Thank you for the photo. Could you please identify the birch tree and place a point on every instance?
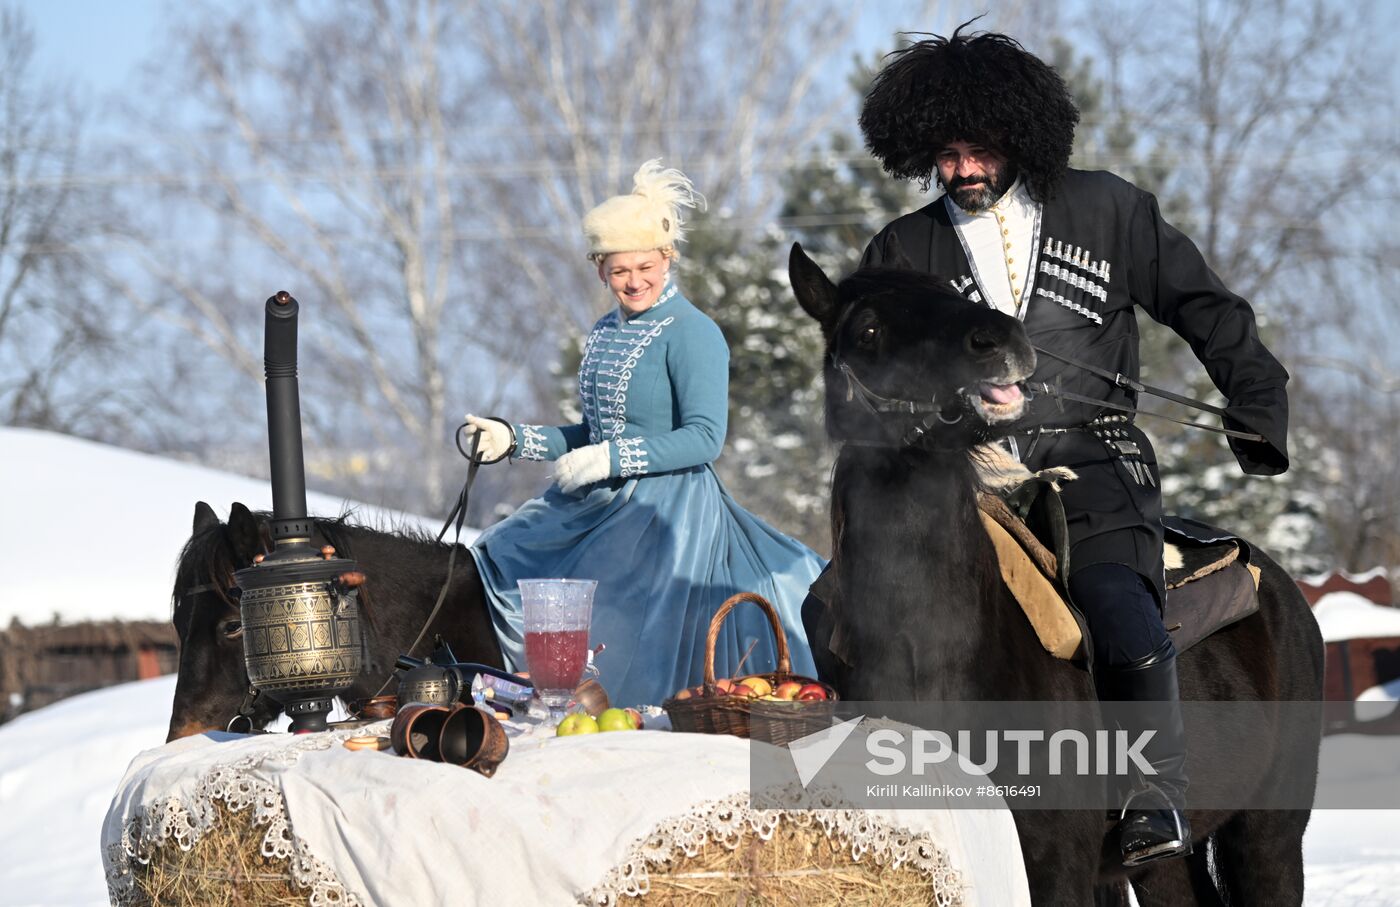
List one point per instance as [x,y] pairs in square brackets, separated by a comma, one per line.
[415,173]
[50,332]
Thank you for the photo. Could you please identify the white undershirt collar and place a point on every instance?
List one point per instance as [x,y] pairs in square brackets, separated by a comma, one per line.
[1000,242]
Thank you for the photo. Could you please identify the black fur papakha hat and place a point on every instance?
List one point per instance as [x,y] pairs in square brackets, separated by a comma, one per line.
[982,88]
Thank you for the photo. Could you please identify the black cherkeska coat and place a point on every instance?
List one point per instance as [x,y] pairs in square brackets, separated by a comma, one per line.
[1102,251]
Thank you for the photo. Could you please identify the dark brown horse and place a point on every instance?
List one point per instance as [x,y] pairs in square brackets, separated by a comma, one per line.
[925,615]
[405,573]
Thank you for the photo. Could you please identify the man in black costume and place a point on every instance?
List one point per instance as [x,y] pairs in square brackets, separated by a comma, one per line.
[1073,254]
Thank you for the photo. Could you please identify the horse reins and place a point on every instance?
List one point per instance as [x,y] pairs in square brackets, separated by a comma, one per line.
[457,516]
[1120,380]
[880,406]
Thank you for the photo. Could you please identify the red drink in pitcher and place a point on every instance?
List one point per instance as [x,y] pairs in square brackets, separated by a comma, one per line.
[556,658]
[556,613]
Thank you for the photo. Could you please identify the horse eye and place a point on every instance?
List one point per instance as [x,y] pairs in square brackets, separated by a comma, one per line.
[232,629]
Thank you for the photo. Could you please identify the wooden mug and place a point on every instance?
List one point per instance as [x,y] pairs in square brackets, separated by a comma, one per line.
[417,730]
[473,739]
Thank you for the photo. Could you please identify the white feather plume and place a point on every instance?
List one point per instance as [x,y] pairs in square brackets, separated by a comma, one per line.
[669,187]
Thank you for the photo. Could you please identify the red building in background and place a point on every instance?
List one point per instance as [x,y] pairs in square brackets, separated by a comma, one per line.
[1363,643]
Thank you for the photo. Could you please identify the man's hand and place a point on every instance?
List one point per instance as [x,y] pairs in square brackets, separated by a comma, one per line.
[583,466]
[497,438]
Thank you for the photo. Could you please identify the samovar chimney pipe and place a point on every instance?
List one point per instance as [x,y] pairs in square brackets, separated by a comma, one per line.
[301,621]
[289,523]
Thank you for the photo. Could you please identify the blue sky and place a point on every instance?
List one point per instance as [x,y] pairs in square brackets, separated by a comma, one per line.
[94,45]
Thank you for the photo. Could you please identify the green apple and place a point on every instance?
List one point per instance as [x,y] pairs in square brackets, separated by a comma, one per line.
[615,720]
[576,723]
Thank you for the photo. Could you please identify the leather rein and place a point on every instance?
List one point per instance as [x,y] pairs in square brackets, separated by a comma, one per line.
[1121,380]
[882,407]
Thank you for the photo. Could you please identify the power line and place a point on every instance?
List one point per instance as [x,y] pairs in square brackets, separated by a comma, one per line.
[546,169]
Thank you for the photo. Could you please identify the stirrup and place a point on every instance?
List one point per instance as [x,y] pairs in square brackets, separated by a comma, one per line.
[1179,845]
[1164,851]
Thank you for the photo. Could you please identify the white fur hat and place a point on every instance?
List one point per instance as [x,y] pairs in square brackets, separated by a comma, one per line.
[649,218]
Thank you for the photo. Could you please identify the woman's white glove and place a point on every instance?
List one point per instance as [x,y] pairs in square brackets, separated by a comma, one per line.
[583,466]
[497,438]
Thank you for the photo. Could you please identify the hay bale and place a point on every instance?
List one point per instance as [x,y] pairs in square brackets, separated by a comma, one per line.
[224,868]
[798,866]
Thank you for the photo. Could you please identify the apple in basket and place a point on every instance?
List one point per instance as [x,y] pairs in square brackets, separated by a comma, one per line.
[724,686]
[811,692]
[787,690]
[759,685]
[744,690]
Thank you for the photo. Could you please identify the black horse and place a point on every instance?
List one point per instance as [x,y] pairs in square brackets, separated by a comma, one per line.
[405,573]
[905,521]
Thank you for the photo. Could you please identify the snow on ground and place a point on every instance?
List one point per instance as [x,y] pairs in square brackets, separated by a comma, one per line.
[1381,692]
[1358,578]
[1346,615]
[58,491]
[60,765]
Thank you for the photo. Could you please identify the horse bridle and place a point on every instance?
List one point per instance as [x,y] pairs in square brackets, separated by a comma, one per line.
[245,710]
[881,407]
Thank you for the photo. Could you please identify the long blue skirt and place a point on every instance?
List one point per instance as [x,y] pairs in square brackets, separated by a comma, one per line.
[666,550]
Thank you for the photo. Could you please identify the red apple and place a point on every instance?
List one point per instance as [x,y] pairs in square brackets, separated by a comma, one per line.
[724,686]
[636,717]
[787,690]
[811,692]
[745,690]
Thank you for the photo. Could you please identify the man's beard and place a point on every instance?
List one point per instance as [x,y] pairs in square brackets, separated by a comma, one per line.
[978,193]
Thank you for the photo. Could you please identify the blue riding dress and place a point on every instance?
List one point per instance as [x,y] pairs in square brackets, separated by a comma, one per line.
[662,536]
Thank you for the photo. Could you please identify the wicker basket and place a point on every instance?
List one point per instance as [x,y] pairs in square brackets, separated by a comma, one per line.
[772,722]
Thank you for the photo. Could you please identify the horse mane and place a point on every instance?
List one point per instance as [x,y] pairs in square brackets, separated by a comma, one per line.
[208,553]
[872,282]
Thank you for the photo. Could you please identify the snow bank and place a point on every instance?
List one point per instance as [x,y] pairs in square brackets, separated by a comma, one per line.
[59,767]
[1346,615]
[59,492]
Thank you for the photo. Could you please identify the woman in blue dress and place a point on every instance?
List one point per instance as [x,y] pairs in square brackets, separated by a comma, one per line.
[636,504]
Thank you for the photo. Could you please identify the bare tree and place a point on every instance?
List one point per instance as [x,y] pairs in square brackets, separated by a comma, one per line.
[49,333]
[416,173]
[1229,103]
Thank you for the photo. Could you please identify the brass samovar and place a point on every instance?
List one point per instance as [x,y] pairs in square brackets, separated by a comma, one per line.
[301,616]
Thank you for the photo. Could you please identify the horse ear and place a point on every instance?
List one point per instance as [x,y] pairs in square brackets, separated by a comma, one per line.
[204,517]
[815,291]
[894,255]
[244,533]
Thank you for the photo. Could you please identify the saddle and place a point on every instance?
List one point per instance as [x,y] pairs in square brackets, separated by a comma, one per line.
[1210,582]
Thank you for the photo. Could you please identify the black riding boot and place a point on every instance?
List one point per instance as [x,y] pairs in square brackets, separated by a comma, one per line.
[1152,824]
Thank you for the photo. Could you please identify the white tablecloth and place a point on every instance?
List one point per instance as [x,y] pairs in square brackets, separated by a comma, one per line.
[564,820]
